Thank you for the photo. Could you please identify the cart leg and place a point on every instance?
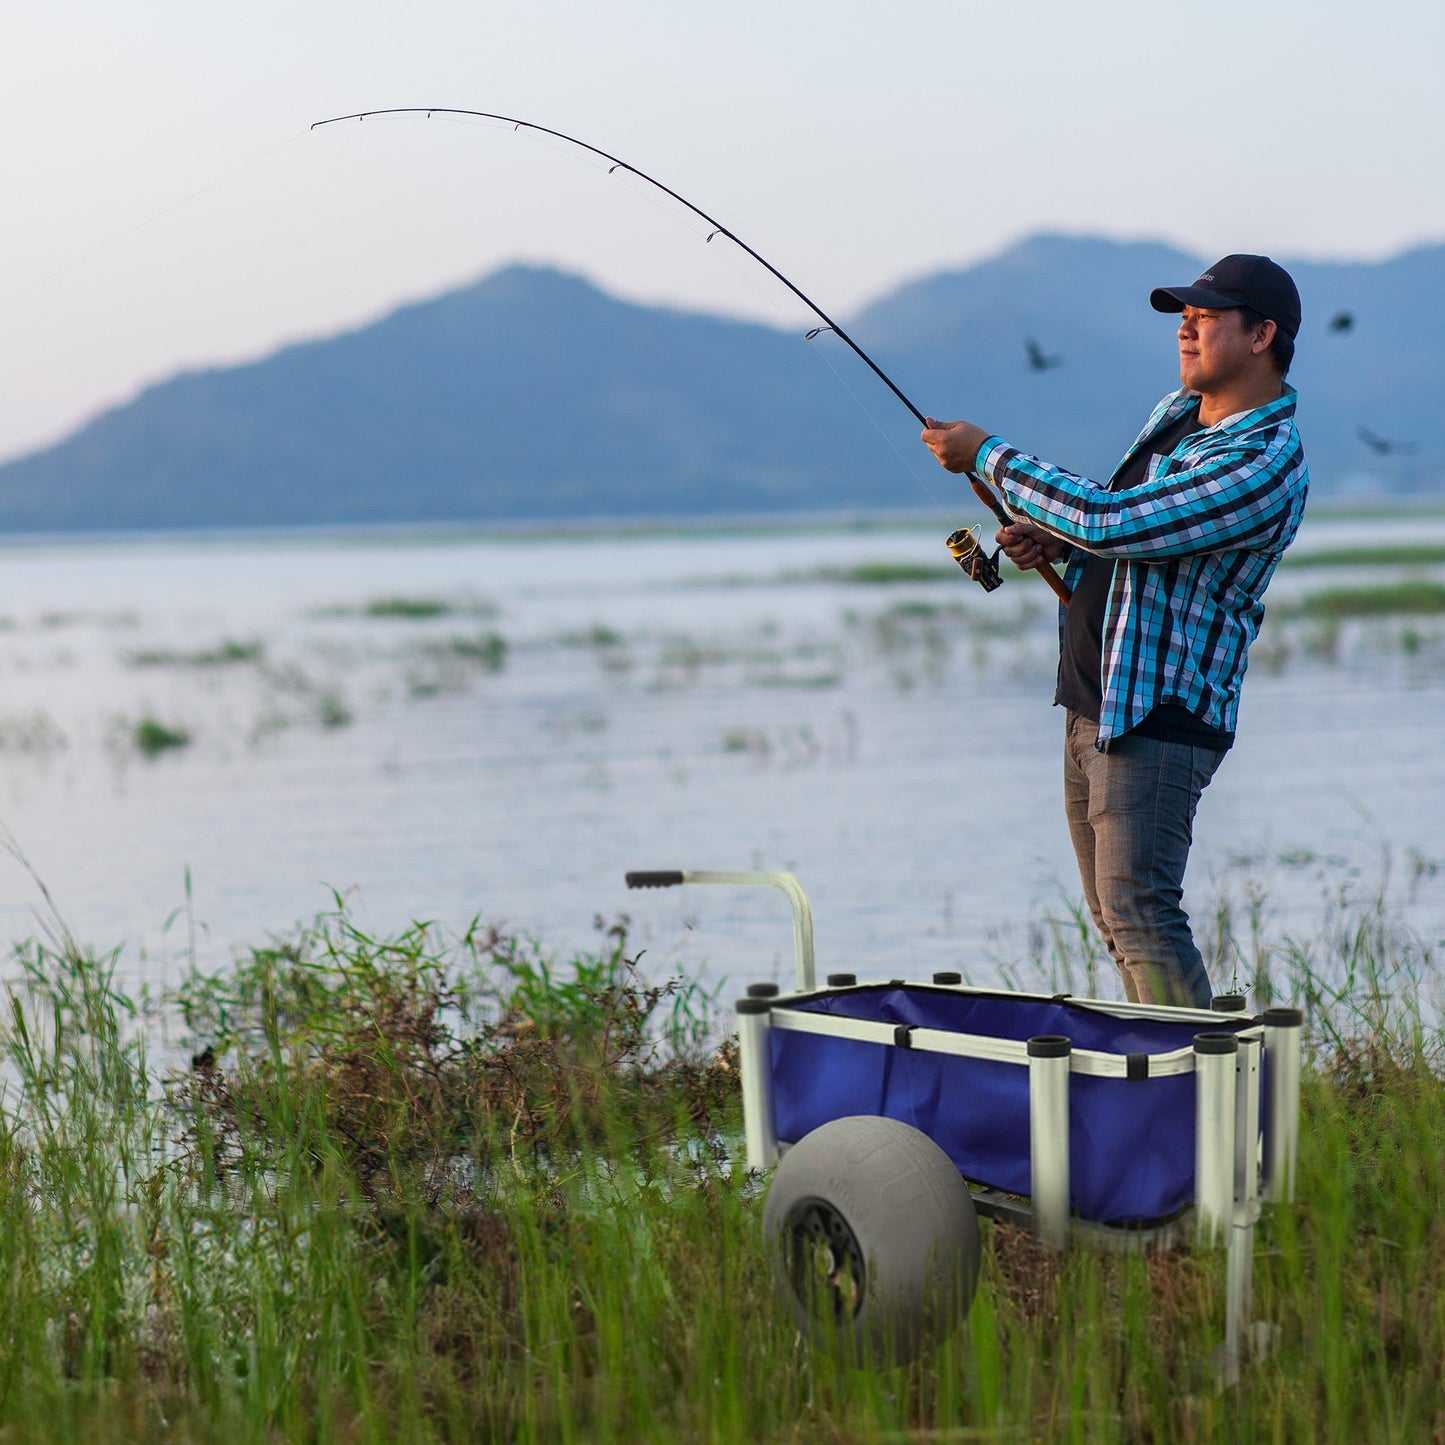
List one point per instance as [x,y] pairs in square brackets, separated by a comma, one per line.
[1238,1297]
[1243,1337]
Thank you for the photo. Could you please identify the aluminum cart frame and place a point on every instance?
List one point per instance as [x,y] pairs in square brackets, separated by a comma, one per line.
[1245,1069]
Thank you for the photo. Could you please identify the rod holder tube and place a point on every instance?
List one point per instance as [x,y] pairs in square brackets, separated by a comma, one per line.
[755,1066]
[1283,1030]
[1215,1055]
[1049,1056]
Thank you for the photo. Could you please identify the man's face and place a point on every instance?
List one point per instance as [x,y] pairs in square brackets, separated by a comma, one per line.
[1216,348]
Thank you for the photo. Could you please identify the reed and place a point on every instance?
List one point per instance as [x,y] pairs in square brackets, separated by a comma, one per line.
[1410,595]
[226,653]
[152,737]
[433,1187]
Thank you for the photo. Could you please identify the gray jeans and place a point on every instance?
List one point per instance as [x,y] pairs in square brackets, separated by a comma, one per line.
[1131,817]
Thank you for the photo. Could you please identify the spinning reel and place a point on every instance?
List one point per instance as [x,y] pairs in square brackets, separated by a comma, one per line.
[969,554]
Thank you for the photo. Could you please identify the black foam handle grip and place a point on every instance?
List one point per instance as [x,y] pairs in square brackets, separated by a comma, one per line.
[657,878]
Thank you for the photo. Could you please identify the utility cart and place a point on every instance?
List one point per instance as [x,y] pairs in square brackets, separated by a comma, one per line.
[897,1112]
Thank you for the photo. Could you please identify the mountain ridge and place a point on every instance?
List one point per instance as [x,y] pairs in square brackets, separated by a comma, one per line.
[531,394]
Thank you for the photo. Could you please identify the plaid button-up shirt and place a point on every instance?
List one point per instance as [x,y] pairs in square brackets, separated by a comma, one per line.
[1195,544]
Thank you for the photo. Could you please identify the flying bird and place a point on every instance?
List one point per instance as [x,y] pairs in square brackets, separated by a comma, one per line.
[1037,360]
[1342,321]
[1382,446]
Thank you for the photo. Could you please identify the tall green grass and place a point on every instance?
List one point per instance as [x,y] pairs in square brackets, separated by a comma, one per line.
[448,1188]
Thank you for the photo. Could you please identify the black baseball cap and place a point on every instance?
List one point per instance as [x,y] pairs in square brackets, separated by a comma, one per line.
[1253,281]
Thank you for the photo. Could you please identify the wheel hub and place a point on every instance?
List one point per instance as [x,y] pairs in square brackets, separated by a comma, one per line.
[825,1260]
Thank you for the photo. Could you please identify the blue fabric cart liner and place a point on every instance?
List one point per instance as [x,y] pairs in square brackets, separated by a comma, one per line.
[1131,1141]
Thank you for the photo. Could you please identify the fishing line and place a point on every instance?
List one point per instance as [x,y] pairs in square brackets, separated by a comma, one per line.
[149,220]
[882,431]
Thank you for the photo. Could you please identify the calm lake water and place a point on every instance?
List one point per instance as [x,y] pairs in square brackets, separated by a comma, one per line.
[448,727]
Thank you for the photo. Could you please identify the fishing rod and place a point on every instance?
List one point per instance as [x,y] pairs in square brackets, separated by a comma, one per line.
[963,544]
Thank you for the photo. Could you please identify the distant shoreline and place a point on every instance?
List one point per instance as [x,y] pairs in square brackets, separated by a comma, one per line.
[600,528]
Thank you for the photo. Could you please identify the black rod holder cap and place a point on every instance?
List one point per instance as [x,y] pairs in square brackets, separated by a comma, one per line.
[1050,1046]
[1284,1018]
[1216,1043]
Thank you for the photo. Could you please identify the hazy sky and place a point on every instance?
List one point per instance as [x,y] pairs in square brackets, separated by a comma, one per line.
[855,145]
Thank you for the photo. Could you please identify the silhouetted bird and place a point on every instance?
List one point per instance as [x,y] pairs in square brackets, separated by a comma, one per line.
[1341,321]
[1382,446]
[1037,360]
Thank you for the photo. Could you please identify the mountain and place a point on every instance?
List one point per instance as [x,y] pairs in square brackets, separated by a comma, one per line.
[529,394]
[1085,300]
[533,395]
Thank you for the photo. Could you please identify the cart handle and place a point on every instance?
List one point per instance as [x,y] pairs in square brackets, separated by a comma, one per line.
[749,878]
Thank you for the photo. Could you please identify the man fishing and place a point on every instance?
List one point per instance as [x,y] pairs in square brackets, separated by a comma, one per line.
[1167,562]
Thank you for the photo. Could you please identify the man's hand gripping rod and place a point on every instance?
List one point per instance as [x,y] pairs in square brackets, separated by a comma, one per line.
[969,554]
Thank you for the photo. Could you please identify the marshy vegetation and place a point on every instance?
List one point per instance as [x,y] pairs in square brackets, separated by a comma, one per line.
[152,737]
[412,608]
[433,1187]
[34,733]
[908,620]
[223,654]
[1408,596]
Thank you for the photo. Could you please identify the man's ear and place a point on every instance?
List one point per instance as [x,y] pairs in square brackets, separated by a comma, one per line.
[1264,335]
